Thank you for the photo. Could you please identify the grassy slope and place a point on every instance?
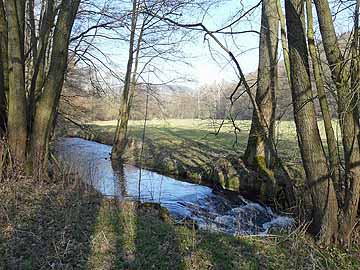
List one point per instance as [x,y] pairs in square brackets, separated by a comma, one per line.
[63,224]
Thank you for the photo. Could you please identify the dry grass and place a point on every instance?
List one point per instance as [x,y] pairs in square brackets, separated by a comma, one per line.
[61,223]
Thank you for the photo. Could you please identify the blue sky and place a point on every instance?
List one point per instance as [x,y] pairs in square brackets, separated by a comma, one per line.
[207,63]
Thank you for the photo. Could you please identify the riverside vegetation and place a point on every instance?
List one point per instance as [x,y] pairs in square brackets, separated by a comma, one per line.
[61,223]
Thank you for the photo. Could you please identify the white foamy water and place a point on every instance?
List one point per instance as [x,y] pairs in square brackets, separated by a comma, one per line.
[184,200]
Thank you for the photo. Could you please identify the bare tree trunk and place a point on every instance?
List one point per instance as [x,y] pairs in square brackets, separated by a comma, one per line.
[4,86]
[47,105]
[348,116]
[330,136]
[284,40]
[38,77]
[17,128]
[355,54]
[318,180]
[257,152]
[120,139]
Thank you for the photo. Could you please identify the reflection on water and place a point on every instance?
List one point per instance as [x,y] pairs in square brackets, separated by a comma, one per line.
[184,200]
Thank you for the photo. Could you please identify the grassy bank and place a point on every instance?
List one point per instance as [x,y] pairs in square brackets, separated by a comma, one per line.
[63,224]
[189,149]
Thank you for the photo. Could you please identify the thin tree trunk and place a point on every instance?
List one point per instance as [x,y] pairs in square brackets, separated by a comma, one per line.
[120,139]
[47,105]
[33,39]
[38,77]
[134,74]
[4,87]
[355,54]
[318,180]
[320,86]
[257,152]
[17,129]
[348,118]
[284,40]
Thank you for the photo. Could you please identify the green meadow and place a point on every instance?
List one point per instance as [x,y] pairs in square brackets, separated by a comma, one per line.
[180,131]
[191,148]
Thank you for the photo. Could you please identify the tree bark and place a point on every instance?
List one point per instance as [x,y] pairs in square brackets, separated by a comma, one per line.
[38,76]
[120,139]
[318,180]
[348,118]
[17,128]
[284,40]
[4,82]
[48,102]
[320,86]
[257,152]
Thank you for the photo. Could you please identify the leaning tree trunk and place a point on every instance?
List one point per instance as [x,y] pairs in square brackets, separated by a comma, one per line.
[120,138]
[320,86]
[3,69]
[318,180]
[257,153]
[17,130]
[349,120]
[48,103]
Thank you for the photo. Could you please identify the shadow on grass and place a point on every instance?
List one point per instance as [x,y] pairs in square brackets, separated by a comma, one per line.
[67,225]
[46,225]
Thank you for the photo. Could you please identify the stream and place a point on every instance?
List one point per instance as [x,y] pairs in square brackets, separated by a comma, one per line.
[211,210]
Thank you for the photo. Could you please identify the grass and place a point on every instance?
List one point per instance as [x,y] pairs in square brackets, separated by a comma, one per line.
[61,223]
[189,149]
[180,131]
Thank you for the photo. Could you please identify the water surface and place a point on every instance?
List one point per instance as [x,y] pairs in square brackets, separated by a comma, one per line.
[184,200]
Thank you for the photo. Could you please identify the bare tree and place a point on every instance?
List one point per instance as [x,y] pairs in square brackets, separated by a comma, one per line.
[31,113]
[146,45]
[348,116]
[257,153]
[314,160]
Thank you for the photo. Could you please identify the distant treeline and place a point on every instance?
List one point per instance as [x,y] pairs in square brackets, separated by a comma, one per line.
[91,101]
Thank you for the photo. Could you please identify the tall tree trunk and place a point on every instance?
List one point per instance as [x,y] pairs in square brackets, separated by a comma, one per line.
[47,105]
[355,54]
[318,180]
[284,40]
[257,152]
[135,75]
[120,139]
[329,131]
[17,131]
[38,76]
[4,87]
[348,118]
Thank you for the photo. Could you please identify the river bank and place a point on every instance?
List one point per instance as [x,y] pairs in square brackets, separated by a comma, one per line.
[187,149]
[61,223]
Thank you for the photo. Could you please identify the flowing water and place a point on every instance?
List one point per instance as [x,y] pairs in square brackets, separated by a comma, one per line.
[184,200]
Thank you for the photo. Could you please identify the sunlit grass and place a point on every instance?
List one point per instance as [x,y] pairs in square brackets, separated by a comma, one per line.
[176,131]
